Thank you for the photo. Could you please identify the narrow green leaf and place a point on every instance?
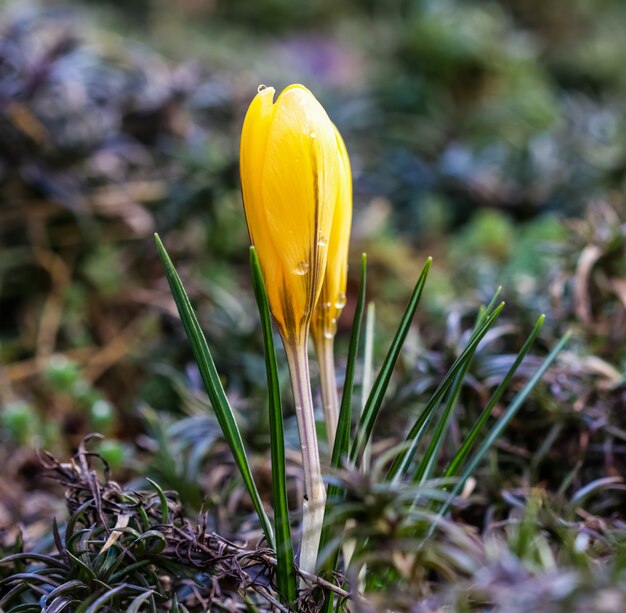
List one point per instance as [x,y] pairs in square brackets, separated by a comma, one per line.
[214,388]
[165,511]
[428,462]
[174,607]
[74,587]
[98,603]
[401,464]
[342,438]
[127,569]
[285,573]
[503,422]
[485,311]
[374,402]
[461,455]
[137,603]
[250,606]
[83,569]
[35,557]
[368,370]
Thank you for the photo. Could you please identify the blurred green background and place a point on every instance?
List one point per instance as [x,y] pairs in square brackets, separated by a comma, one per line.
[490,135]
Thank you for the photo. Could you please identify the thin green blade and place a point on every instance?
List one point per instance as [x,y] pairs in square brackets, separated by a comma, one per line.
[374,402]
[285,574]
[461,455]
[342,438]
[401,464]
[213,386]
[342,441]
[428,462]
[503,422]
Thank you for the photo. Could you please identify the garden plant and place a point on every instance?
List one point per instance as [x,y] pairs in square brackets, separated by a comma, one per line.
[297,196]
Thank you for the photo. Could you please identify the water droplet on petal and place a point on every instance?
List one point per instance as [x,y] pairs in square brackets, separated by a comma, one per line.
[261,87]
[322,242]
[313,134]
[301,269]
[341,301]
[332,330]
[327,305]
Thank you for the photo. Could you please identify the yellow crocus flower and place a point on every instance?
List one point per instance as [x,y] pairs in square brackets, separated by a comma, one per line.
[289,174]
[292,168]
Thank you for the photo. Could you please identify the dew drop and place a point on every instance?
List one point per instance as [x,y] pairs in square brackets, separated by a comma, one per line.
[322,242]
[341,301]
[261,87]
[327,305]
[330,332]
[301,269]
[313,134]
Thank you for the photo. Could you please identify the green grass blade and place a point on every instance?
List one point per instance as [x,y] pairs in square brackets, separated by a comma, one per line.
[503,422]
[165,511]
[485,311]
[401,464]
[214,388]
[368,369]
[342,438]
[374,402]
[461,455]
[137,604]
[428,462]
[285,574]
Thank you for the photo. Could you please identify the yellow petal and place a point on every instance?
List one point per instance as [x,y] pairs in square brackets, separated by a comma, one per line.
[332,298]
[254,135]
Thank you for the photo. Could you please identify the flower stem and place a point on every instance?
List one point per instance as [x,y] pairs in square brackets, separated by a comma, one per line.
[325,350]
[314,491]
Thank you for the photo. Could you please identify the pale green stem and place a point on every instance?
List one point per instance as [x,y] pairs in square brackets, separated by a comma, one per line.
[325,351]
[314,491]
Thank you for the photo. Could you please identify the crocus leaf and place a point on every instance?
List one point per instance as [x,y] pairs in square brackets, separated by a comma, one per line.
[497,429]
[461,455]
[342,439]
[328,560]
[428,461]
[374,402]
[214,388]
[401,464]
[286,577]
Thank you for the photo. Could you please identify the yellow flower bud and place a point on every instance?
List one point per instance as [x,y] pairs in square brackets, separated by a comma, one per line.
[290,175]
[333,295]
